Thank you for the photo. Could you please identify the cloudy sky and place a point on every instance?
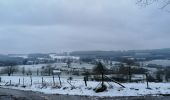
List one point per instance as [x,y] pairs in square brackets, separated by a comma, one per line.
[29,26]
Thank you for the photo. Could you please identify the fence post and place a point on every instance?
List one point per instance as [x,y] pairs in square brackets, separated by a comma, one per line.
[23,81]
[19,81]
[10,82]
[147,81]
[53,81]
[42,81]
[59,80]
[31,80]
[85,81]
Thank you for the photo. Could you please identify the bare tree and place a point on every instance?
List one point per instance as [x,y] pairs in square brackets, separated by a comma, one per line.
[23,71]
[129,63]
[100,69]
[164,3]
[29,72]
[47,70]
[37,71]
[9,70]
[68,63]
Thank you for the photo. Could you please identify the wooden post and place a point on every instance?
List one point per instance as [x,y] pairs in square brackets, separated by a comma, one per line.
[115,82]
[59,80]
[42,81]
[102,80]
[19,81]
[85,81]
[53,81]
[147,81]
[23,81]
[31,80]
[10,82]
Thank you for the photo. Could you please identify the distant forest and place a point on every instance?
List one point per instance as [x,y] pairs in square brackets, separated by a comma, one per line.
[88,56]
[115,55]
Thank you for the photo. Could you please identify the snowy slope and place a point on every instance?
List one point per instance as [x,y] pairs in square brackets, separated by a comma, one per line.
[132,89]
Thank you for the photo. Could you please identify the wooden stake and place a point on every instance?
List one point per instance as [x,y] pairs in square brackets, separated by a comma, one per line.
[59,80]
[19,81]
[53,81]
[10,82]
[42,81]
[31,80]
[147,81]
[23,81]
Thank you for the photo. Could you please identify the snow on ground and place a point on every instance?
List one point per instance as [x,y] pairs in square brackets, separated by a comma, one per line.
[54,56]
[132,89]
[162,62]
[31,67]
[19,55]
[56,65]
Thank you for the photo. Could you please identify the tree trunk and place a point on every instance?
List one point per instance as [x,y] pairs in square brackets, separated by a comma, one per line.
[102,79]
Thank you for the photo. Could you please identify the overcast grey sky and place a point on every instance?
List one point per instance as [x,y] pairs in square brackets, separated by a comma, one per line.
[29,26]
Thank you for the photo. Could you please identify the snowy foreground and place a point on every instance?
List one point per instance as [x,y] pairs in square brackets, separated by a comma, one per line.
[132,89]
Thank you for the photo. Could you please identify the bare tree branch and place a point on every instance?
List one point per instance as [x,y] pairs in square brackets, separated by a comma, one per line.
[164,3]
[167,2]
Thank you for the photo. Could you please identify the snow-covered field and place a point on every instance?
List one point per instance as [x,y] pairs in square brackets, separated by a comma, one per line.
[36,67]
[132,89]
